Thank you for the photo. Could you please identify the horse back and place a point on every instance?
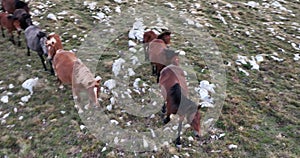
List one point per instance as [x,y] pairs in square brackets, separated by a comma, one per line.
[6,22]
[149,36]
[32,39]
[170,76]
[156,49]
[9,5]
[63,63]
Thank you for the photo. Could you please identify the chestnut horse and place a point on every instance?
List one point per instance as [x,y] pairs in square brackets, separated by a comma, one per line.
[53,44]
[149,36]
[11,23]
[11,5]
[70,70]
[175,91]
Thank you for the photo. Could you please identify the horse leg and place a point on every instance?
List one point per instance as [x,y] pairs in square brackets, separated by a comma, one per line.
[28,51]
[19,40]
[167,119]
[12,38]
[163,109]
[43,61]
[153,69]
[146,52]
[177,142]
[51,68]
[159,67]
[2,30]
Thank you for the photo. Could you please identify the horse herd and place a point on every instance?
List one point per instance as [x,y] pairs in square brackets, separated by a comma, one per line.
[70,70]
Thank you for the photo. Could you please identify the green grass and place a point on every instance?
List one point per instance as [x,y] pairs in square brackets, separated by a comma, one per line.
[260,113]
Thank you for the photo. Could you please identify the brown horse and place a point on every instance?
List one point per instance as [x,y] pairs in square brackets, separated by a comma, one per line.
[150,36]
[161,58]
[175,91]
[53,44]
[11,23]
[70,70]
[10,6]
[147,38]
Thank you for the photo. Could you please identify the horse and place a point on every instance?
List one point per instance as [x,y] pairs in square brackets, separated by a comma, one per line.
[11,23]
[53,44]
[161,58]
[70,70]
[24,17]
[175,91]
[36,41]
[10,6]
[149,36]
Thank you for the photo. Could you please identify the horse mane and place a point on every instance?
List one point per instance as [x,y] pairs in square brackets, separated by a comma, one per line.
[82,75]
[166,33]
[20,4]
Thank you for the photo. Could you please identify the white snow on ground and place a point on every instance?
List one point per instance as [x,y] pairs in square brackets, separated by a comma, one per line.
[117,66]
[137,30]
[30,83]
[110,84]
[204,89]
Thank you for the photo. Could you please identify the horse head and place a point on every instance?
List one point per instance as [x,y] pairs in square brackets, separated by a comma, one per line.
[165,36]
[16,22]
[22,5]
[53,44]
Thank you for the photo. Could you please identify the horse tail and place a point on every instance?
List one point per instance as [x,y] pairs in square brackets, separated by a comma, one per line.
[181,102]
[176,94]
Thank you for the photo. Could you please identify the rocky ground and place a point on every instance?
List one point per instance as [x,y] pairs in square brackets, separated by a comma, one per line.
[248,52]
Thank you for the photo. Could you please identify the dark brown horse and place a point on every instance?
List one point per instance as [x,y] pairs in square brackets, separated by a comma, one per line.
[175,91]
[10,6]
[150,36]
[11,23]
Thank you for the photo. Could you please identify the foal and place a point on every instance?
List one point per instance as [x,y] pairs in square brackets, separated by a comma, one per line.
[174,90]
[11,23]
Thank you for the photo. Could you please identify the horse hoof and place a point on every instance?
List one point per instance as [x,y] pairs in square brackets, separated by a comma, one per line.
[166,120]
[178,143]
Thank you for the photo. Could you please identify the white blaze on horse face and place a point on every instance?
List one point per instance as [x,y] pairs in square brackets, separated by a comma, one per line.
[52,40]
